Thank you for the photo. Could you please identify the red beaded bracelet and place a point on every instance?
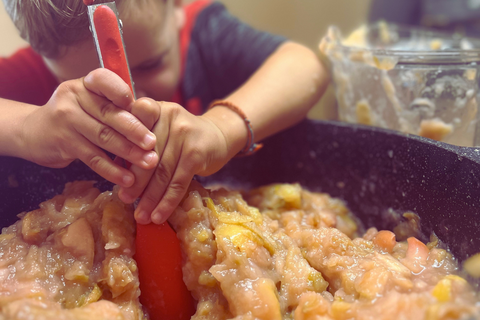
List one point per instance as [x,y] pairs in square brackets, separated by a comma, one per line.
[250,147]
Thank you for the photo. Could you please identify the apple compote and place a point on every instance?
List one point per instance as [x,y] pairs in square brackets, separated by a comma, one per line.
[71,259]
[282,252]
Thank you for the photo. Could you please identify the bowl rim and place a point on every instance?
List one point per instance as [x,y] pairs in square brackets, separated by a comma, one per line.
[411,56]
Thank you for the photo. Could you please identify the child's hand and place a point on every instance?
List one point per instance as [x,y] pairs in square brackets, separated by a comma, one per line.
[84,116]
[186,145]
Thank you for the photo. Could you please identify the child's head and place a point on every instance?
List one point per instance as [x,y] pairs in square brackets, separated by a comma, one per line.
[47,25]
[59,31]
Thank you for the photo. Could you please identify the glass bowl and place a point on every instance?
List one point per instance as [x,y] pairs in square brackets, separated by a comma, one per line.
[411,80]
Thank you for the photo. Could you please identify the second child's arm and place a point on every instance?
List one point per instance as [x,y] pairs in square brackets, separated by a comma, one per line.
[82,117]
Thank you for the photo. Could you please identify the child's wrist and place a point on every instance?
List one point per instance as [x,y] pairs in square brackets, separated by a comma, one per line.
[232,127]
[249,147]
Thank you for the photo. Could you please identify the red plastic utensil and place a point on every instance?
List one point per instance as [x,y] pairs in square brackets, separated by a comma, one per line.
[106,30]
[159,260]
[158,254]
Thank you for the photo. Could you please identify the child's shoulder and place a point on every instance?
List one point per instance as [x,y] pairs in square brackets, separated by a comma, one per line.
[202,7]
[24,77]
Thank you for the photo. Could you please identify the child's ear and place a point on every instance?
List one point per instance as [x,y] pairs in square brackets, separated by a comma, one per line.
[179,13]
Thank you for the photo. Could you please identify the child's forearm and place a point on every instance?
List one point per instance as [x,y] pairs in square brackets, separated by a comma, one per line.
[12,118]
[277,96]
[83,118]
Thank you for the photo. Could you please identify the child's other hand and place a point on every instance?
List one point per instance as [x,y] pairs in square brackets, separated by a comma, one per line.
[186,145]
[85,115]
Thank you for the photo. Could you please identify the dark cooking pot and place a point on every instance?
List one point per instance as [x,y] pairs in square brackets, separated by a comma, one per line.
[374,171]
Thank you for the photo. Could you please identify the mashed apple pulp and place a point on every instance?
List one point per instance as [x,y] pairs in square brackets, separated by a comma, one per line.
[282,253]
[71,259]
[294,254]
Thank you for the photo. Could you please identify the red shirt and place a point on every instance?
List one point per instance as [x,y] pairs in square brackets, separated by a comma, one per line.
[26,78]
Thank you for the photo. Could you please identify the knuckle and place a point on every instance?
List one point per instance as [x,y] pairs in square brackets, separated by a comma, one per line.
[129,151]
[106,109]
[196,156]
[171,108]
[132,124]
[175,107]
[151,198]
[182,128]
[147,111]
[196,153]
[146,104]
[66,154]
[66,91]
[66,98]
[62,88]
[67,87]
[95,161]
[162,174]
[63,112]
[176,190]
[105,135]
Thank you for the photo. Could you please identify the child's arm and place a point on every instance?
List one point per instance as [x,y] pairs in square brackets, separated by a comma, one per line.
[81,117]
[277,96]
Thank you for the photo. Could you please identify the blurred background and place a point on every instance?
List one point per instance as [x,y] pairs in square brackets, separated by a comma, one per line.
[304,21]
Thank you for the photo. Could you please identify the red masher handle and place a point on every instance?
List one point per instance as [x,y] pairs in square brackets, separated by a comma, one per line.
[110,42]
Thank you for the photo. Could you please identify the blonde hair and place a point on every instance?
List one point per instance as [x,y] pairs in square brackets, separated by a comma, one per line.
[47,25]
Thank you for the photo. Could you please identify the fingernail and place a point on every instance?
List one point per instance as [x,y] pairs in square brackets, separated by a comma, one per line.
[142,217]
[149,140]
[149,158]
[127,180]
[157,218]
